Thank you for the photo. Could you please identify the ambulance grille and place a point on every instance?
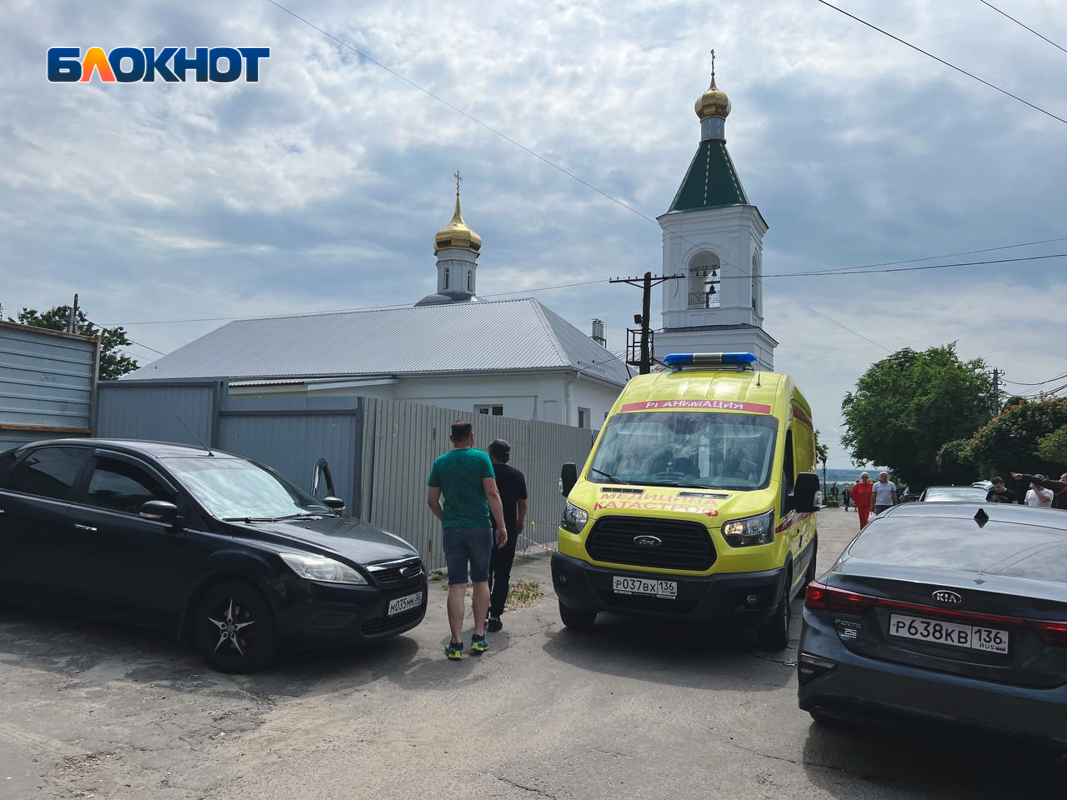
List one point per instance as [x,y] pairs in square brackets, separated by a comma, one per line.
[682,545]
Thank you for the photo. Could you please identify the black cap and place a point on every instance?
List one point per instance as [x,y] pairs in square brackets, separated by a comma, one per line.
[500,450]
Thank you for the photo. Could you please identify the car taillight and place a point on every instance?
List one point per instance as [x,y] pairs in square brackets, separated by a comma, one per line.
[820,597]
[1052,633]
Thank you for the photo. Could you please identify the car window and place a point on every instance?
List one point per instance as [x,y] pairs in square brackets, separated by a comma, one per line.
[120,486]
[49,472]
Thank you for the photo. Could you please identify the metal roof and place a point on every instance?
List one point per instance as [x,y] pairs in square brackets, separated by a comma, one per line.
[500,336]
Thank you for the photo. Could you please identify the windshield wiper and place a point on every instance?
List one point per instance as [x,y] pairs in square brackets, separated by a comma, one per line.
[301,516]
[609,476]
[248,520]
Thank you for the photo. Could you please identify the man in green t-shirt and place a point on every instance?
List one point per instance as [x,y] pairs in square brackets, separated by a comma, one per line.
[465,477]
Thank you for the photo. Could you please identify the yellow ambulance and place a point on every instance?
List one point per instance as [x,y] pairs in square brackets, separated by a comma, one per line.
[696,502]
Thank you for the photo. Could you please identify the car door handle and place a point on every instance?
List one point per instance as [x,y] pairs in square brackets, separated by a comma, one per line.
[81,527]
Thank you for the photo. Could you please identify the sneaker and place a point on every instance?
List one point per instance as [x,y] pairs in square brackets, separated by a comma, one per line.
[479,644]
[494,624]
[454,650]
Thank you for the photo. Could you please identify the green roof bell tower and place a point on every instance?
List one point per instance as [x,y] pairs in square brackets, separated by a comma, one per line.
[713,236]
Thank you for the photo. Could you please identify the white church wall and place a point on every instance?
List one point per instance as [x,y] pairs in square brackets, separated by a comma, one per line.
[595,396]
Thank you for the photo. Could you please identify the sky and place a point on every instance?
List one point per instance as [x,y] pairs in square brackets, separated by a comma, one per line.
[320,187]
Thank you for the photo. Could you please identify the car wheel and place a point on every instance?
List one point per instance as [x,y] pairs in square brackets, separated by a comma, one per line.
[812,571]
[576,619]
[774,635]
[233,628]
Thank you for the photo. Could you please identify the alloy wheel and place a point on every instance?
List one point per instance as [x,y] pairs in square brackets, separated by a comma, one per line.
[235,628]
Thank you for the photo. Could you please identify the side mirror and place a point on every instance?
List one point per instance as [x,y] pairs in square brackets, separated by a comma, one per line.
[804,491]
[159,511]
[334,503]
[568,476]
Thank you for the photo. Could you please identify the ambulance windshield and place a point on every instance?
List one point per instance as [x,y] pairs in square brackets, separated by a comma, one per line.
[697,449]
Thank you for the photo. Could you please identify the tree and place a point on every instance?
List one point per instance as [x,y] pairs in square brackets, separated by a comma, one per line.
[909,404]
[822,452]
[1011,441]
[953,464]
[1053,447]
[113,363]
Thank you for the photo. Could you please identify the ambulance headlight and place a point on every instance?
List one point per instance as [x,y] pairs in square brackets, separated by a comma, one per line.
[574,518]
[749,531]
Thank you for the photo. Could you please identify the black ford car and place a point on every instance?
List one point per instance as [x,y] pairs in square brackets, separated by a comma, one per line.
[223,551]
[947,618]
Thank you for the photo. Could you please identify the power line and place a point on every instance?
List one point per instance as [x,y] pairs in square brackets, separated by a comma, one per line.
[835,273]
[949,255]
[1022,25]
[530,151]
[1038,383]
[938,59]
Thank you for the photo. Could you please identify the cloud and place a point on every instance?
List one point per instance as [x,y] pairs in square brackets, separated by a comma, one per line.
[321,186]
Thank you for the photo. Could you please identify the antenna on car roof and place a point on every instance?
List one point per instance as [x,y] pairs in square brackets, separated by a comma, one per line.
[194,436]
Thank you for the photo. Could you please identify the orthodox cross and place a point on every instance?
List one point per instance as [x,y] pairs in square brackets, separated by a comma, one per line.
[713,65]
[458,178]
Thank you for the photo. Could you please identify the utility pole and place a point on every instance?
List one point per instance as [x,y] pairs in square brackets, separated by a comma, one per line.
[997,375]
[643,361]
[72,323]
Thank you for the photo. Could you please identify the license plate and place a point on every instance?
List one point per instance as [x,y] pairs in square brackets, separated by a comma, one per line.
[404,603]
[652,588]
[953,634]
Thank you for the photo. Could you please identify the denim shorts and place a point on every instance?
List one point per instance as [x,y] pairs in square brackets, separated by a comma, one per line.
[468,544]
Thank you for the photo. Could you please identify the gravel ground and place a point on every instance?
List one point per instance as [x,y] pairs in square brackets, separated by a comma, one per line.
[632,710]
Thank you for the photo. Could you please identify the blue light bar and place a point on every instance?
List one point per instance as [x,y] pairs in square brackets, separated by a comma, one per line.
[708,359]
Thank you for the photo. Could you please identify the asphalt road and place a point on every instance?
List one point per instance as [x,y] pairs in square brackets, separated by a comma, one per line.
[631,710]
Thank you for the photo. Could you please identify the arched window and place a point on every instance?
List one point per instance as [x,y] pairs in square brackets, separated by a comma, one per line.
[703,281]
[446,277]
[470,280]
[757,286]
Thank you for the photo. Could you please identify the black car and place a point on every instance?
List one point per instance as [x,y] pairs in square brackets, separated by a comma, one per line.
[223,551]
[947,618]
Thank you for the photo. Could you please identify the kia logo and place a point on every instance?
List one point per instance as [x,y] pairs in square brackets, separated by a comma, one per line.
[947,597]
[648,541]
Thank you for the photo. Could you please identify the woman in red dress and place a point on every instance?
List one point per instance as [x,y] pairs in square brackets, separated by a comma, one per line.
[861,496]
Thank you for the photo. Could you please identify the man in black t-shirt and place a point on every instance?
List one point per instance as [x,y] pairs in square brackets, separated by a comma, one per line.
[511,484]
[999,494]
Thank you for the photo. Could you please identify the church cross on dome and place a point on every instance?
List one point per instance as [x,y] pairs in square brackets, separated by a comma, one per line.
[458,178]
[713,66]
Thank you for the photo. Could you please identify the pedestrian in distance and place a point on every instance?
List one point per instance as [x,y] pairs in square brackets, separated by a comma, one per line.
[465,476]
[885,494]
[1059,488]
[834,492]
[1037,496]
[511,484]
[861,496]
[846,495]
[999,493]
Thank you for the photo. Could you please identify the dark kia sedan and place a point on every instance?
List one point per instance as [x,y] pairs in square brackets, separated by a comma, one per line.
[223,551]
[948,618]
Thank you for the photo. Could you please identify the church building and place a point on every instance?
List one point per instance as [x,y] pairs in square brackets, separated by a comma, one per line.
[713,237]
[514,358]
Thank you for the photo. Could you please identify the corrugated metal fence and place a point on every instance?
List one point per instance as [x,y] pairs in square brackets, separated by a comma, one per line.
[47,383]
[401,440]
[379,451]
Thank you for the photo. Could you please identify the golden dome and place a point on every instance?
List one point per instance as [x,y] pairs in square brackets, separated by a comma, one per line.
[713,103]
[457,233]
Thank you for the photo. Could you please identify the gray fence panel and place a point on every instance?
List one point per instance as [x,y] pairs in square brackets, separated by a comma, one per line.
[151,409]
[292,444]
[46,382]
[401,440]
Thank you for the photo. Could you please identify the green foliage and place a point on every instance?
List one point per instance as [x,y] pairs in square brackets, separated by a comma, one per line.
[822,451]
[954,466]
[1010,442]
[909,404]
[113,364]
[1053,447]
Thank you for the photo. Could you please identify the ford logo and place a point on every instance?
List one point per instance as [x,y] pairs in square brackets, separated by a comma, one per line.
[648,541]
[947,597]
